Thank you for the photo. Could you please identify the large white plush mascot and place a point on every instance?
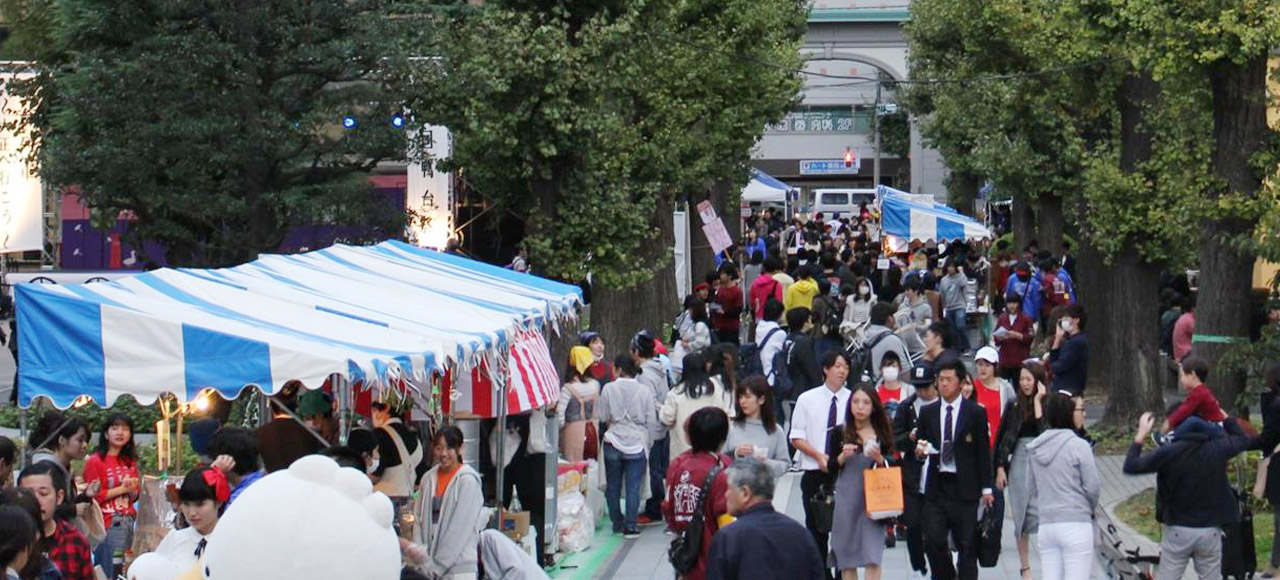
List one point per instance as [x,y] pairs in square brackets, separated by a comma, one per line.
[313,521]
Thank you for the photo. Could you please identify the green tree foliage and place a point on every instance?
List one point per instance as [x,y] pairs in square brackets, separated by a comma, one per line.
[216,123]
[590,119]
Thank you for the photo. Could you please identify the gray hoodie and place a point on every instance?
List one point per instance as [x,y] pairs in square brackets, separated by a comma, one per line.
[451,542]
[1064,477]
[654,376]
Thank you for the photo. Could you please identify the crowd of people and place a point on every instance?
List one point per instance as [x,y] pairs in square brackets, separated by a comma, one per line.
[811,348]
[57,524]
[963,364]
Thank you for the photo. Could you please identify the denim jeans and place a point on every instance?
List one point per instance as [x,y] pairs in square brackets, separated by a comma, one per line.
[959,322]
[119,538]
[618,465]
[659,458]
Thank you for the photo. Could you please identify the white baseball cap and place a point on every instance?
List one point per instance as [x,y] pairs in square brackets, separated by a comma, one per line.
[988,354]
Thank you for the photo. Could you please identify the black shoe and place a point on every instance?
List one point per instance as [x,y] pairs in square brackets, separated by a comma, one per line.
[631,534]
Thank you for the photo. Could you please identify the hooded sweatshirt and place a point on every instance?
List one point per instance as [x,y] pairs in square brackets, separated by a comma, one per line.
[450,543]
[1064,477]
[801,294]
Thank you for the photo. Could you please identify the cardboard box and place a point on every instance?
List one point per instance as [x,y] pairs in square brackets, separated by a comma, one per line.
[515,524]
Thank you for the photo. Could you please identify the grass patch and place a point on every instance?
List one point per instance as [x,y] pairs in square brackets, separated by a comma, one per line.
[1139,512]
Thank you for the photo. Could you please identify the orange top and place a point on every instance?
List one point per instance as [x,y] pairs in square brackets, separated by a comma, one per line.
[443,478]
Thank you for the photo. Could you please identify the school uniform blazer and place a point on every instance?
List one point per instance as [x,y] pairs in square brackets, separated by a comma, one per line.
[972,449]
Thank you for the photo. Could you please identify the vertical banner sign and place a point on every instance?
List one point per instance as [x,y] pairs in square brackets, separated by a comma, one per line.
[429,195]
[21,202]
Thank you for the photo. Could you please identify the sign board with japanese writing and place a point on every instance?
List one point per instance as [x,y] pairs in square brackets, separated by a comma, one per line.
[717,236]
[706,211]
[829,167]
[21,199]
[841,120]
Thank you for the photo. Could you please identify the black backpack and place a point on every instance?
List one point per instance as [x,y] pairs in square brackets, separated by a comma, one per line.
[749,361]
[782,384]
[687,546]
[861,360]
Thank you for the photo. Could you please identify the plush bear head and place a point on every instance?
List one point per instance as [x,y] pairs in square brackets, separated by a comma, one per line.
[313,521]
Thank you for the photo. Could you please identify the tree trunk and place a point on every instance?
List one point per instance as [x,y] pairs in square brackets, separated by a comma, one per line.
[1051,222]
[1131,328]
[1239,124]
[1093,292]
[1024,223]
[618,313]
[963,187]
[703,260]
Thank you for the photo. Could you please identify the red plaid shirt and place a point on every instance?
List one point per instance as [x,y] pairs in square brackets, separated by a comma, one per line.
[71,554]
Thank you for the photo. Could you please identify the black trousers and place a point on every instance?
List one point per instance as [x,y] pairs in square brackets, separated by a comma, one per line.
[945,516]
[527,475]
[810,483]
[912,514]
[730,336]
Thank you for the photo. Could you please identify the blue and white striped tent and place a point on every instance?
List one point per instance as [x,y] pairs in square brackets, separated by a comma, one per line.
[913,221]
[373,314]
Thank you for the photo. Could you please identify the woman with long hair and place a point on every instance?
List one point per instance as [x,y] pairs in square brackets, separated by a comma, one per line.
[18,537]
[114,466]
[1065,483]
[698,388]
[61,439]
[576,408]
[865,440]
[1021,424]
[754,431]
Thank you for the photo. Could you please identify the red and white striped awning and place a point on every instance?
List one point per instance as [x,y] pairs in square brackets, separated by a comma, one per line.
[533,382]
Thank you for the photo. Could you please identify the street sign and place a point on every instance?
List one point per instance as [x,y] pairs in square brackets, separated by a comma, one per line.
[829,167]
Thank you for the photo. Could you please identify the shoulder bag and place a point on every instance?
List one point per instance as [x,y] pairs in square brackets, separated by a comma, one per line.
[687,546]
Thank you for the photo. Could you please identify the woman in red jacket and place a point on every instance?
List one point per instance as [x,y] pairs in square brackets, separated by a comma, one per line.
[708,428]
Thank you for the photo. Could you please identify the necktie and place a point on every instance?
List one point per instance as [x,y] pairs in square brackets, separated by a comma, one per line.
[948,449]
[200,547]
[831,413]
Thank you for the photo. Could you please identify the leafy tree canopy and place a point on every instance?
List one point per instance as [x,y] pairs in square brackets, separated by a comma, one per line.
[587,117]
[217,124]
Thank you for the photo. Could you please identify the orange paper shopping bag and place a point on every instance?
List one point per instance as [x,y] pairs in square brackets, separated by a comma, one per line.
[882,487]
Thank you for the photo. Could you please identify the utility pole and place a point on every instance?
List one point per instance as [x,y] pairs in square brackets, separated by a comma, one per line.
[875,124]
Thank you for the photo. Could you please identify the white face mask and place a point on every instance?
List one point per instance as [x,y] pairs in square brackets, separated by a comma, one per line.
[373,466]
[1065,324]
[889,373]
[863,290]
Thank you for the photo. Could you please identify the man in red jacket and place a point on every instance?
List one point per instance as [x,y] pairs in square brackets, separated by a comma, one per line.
[726,307]
[708,428]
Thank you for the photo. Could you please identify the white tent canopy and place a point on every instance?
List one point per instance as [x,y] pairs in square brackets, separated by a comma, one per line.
[375,314]
[764,188]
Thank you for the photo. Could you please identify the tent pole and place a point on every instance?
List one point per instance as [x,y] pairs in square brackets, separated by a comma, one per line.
[500,379]
[22,428]
[340,389]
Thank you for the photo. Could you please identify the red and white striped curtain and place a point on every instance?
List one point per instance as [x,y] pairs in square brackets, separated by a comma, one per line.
[533,382]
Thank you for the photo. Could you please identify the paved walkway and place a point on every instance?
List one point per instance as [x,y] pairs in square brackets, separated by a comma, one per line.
[646,558]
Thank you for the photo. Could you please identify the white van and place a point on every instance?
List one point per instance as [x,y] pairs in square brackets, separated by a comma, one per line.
[838,203]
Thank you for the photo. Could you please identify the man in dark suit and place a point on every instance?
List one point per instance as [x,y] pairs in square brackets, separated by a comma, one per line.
[952,433]
[1067,261]
[905,422]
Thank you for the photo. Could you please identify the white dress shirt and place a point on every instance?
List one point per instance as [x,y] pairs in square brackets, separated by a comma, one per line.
[942,426]
[179,546]
[809,419]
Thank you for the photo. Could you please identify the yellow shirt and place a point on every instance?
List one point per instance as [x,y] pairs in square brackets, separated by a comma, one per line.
[800,294]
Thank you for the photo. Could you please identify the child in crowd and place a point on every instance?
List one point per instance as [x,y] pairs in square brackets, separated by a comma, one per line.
[1200,402]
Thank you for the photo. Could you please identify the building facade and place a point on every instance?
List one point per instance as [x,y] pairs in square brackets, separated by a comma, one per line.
[855,49]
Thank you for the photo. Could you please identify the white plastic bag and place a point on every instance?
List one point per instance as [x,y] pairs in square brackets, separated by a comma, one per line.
[575,522]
